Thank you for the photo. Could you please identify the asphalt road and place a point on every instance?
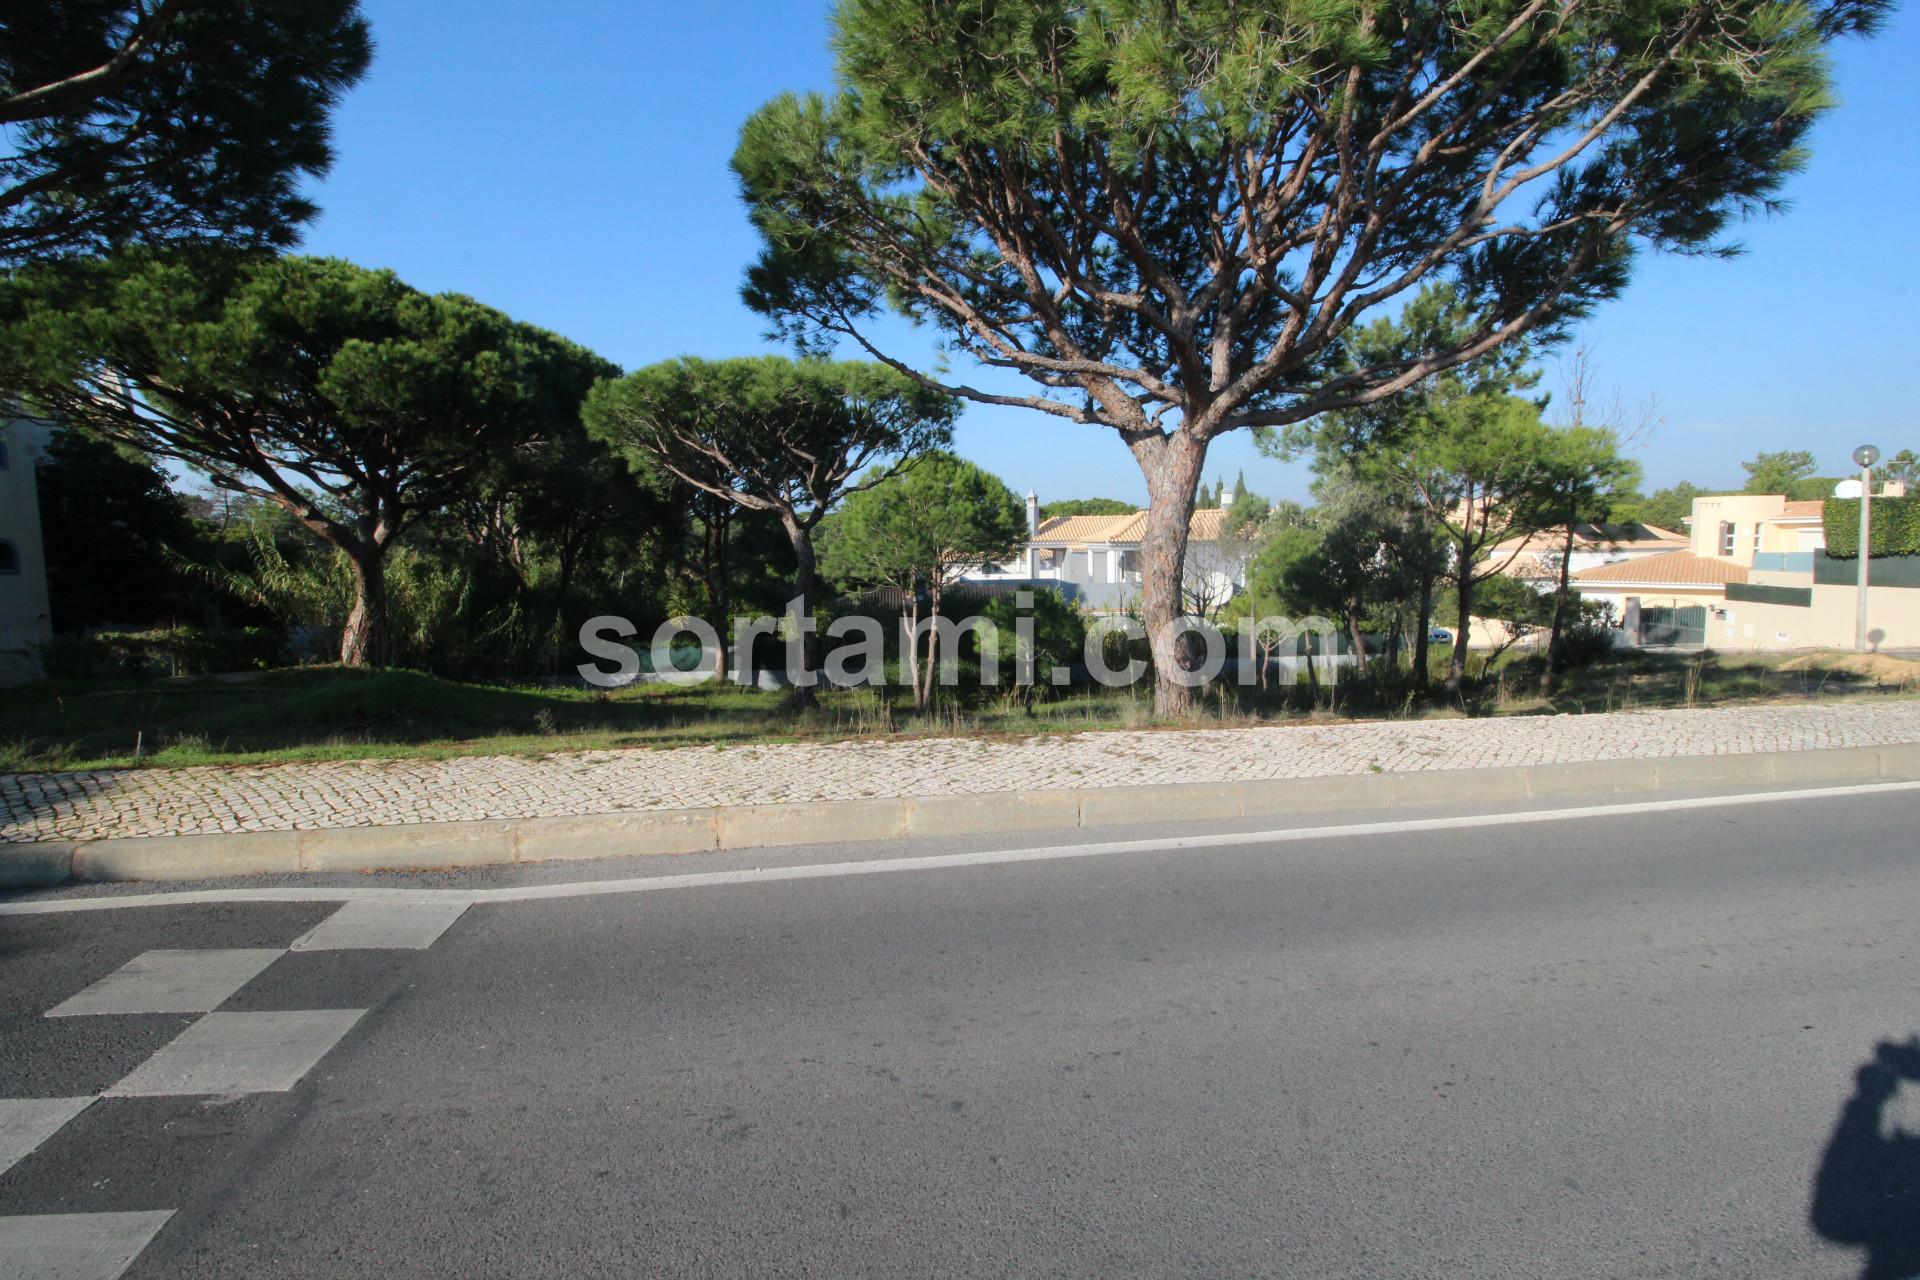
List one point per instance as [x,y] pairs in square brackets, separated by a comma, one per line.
[1658,1044]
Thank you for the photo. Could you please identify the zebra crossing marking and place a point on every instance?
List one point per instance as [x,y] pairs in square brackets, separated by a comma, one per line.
[170,982]
[25,1123]
[229,1053]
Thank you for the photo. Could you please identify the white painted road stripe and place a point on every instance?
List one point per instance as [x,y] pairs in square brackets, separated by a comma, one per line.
[376,926]
[75,1246]
[226,1053]
[940,862]
[25,1123]
[170,982]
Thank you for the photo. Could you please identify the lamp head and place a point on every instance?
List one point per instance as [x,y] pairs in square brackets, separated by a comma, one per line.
[1866,455]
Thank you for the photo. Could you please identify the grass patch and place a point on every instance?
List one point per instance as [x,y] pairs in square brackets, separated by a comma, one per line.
[332,713]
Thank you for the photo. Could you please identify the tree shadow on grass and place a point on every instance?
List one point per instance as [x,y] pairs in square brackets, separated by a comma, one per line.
[1867,1192]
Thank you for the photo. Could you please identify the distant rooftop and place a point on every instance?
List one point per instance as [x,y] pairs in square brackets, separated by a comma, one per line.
[1206,526]
[1673,569]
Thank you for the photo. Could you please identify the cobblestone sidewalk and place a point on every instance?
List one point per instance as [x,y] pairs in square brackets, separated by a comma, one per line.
[206,801]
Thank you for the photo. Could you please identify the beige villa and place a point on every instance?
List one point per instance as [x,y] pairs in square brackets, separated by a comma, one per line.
[1753,575]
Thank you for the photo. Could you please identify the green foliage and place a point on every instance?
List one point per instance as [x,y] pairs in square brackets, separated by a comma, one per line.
[1248,512]
[779,437]
[1272,577]
[1589,637]
[107,520]
[1119,113]
[446,614]
[1059,636]
[1086,507]
[1903,467]
[1778,472]
[168,651]
[1667,508]
[210,119]
[358,404]
[925,526]
[1509,600]
[1896,527]
[767,433]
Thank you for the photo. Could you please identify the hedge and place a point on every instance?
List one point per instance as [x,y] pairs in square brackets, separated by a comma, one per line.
[167,651]
[1896,527]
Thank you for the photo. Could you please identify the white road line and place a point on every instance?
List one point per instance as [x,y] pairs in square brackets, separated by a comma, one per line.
[941,862]
[227,1053]
[170,982]
[376,926]
[25,1123]
[75,1246]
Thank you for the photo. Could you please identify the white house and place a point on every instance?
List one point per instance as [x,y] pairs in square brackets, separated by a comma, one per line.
[1095,560]
[25,618]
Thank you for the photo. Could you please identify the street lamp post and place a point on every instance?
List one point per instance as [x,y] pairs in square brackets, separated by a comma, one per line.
[1865,456]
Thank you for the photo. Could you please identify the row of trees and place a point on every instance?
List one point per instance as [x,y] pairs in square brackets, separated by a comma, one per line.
[1173,221]
[361,408]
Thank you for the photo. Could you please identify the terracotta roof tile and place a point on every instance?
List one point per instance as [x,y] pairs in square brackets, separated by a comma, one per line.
[1205,527]
[1674,569]
[1092,528]
[1805,510]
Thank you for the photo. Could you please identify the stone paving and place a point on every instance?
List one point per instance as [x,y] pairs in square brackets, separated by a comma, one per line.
[208,801]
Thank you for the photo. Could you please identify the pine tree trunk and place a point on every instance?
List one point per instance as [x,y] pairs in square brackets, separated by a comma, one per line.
[910,650]
[1422,675]
[1457,671]
[804,576]
[720,595]
[929,674]
[1171,480]
[1559,611]
[363,642]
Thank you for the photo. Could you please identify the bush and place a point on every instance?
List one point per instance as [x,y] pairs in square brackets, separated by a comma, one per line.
[171,651]
[1588,637]
[1059,636]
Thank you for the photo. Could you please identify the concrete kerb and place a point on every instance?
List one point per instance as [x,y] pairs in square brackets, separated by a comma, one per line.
[680,831]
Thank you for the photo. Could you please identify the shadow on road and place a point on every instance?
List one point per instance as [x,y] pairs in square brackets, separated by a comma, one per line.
[1867,1193]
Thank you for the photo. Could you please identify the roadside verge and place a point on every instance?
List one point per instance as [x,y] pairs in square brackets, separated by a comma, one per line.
[428,846]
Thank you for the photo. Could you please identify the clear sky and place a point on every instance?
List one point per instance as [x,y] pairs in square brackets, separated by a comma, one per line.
[567,163]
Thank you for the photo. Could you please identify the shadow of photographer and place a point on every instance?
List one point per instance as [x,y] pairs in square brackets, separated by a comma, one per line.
[1867,1193]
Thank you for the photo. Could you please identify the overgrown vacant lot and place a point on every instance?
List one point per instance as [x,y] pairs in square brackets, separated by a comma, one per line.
[332,713]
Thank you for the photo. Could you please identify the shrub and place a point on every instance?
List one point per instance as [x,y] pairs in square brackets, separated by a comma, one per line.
[1588,637]
[170,651]
[1059,634]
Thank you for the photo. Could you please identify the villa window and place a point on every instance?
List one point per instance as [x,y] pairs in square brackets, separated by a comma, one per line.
[1727,531]
[9,558]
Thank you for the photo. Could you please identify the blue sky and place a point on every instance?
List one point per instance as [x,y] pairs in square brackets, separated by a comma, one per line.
[567,162]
